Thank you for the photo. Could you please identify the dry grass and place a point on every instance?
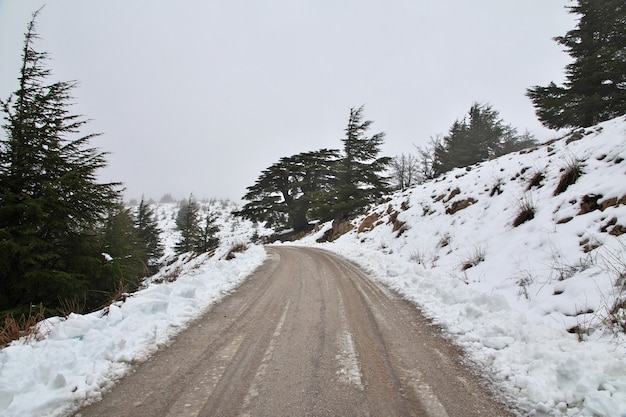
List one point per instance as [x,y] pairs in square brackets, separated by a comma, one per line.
[73,305]
[13,329]
[525,211]
[571,172]
[536,181]
[237,248]
[476,256]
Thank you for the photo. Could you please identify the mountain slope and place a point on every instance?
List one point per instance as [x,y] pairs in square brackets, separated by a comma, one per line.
[525,273]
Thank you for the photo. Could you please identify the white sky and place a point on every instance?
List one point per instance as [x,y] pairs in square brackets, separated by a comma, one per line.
[200,96]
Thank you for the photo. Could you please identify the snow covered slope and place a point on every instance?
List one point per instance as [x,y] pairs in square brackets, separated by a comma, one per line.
[533,304]
[79,357]
[527,278]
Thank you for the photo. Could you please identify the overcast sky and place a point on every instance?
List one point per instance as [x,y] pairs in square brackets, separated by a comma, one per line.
[200,96]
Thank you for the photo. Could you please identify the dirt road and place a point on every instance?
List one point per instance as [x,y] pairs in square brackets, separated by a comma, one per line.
[307,335]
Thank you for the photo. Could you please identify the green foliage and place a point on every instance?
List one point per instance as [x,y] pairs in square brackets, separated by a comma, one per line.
[148,231]
[50,201]
[193,236]
[208,239]
[478,137]
[188,225]
[323,184]
[285,193]
[359,174]
[595,86]
[123,255]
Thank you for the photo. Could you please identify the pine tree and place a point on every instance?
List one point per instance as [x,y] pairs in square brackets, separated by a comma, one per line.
[50,200]
[208,239]
[476,138]
[188,225]
[595,86]
[148,230]
[359,175]
[126,257]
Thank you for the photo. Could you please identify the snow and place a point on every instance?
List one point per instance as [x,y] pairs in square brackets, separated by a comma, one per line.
[531,305]
[82,356]
[508,295]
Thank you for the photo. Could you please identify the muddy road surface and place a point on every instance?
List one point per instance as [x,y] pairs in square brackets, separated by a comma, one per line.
[308,334]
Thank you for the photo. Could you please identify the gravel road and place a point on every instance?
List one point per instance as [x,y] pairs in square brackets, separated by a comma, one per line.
[308,334]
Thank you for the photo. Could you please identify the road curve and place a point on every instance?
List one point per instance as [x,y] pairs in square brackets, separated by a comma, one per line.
[308,334]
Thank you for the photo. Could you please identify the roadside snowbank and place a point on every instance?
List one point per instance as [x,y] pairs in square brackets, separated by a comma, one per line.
[533,304]
[83,355]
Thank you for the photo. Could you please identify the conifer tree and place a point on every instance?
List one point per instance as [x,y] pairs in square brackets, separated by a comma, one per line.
[126,257]
[50,200]
[208,239]
[360,176]
[476,138]
[148,230]
[595,86]
[287,191]
[188,225]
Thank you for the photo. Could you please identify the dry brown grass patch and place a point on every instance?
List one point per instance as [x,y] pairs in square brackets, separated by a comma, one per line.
[571,172]
[12,328]
[237,248]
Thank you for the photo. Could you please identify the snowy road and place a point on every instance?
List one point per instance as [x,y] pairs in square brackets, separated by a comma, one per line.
[306,335]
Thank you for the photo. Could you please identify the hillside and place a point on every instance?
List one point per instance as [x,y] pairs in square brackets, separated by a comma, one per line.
[526,273]
[538,307]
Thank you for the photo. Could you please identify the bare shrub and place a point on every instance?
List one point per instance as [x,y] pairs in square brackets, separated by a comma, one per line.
[614,262]
[444,241]
[524,282]
[418,256]
[475,257]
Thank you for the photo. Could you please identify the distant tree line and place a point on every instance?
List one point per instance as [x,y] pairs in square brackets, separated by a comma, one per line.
[65,238]
[479,136]
[332,184]
[594,91]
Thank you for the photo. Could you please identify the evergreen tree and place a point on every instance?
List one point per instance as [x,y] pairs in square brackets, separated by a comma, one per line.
[126,257]
[148,230]
[208,239]
[323,184]
[188,225]
[50,200]
[478,137]
[287,191]
[595,86]
[359,173]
